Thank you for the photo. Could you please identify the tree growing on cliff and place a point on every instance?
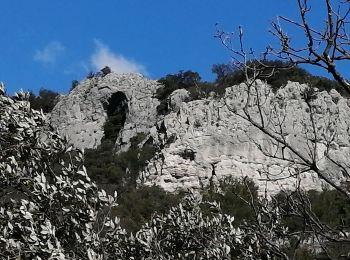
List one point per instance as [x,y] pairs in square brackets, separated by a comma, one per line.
[312,147]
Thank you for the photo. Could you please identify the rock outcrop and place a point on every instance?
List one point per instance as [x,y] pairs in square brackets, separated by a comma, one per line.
[82,114]
[221,143]
[202,141]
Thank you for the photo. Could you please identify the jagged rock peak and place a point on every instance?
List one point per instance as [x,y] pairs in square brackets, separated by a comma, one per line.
[82,113]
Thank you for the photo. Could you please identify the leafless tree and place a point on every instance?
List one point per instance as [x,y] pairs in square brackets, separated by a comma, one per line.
[325,48]
[307,148]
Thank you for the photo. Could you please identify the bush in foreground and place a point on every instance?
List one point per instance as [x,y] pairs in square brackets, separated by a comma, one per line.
[49,208]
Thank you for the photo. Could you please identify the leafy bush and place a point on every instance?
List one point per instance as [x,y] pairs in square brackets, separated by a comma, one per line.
[184,233]
[172,82]
[137,206]
[187,80]
[330,207]
[233,197]
[49,208]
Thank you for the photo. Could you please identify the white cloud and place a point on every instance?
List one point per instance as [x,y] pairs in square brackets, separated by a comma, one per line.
[77,68]
[49,53]
[103,56]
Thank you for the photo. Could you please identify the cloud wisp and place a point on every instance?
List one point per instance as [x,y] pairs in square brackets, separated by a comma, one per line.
[103,56]
[50,53]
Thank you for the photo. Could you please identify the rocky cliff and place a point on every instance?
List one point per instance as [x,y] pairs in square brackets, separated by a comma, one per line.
[201,141]
[82,114]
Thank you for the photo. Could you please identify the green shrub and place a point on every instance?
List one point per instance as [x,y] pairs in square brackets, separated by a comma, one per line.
[204,89]
[232,198]
[172,82]
[188,80]
[49,207]
[137,206]
[122,169]
[329,206]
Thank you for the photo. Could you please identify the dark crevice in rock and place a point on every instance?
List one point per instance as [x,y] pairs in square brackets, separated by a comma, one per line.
[117,109]
[188,154]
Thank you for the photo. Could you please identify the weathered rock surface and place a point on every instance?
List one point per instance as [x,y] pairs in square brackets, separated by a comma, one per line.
[81,114]
[212,140]
[205,140]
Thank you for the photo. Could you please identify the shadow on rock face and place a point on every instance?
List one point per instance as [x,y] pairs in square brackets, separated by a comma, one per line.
[117,109]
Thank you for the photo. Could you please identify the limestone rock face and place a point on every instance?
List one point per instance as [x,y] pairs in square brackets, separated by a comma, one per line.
[177,98]
[82,113]
[202,141]
[210,139]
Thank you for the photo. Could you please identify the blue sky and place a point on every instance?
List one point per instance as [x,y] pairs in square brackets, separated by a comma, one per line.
[50,43]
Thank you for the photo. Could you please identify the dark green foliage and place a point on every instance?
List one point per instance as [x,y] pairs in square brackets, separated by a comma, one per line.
[222,71]
[233,197]
[119,172]
[275,72]
[204,89]
[46,100]
[163,107]
[331,207]
[122,169]
[136,140]
[137,206]
[172,82]
[326,84]
[188,80]
[113,126]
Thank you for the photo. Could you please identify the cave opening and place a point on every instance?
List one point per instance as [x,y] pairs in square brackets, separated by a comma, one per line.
[117,109]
